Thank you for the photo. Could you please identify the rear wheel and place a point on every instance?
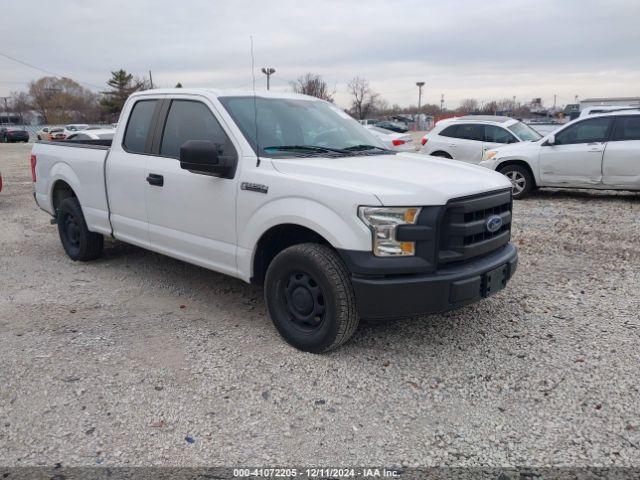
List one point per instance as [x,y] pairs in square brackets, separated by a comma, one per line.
[310,298]
[442,154]
[521,180]
[78,242]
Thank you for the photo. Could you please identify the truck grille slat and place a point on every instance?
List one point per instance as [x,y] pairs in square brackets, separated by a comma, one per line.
[464,232]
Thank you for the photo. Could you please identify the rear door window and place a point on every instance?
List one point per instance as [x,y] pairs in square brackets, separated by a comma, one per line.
[626,128]
[139,125]
[470,131]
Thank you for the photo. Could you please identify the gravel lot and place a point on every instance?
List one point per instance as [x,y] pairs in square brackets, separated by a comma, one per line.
[138,359]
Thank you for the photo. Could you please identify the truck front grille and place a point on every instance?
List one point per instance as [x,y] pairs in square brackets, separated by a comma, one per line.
[464,233]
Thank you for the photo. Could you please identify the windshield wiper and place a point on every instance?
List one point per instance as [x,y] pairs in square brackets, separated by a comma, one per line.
[356,148]
[306,148]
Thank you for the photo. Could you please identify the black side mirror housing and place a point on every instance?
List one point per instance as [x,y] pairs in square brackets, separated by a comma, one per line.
[202,157]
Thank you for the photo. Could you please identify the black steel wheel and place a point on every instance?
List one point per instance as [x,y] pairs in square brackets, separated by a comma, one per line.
[310,298]
[78,242]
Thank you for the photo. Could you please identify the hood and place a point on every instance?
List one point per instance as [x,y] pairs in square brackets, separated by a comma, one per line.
[403,179]
[516,148]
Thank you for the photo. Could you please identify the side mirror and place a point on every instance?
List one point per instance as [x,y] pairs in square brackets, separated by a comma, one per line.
[202,157]
[551,140]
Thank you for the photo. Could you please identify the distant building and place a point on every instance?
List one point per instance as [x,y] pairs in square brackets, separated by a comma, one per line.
[611,101]
[28,118]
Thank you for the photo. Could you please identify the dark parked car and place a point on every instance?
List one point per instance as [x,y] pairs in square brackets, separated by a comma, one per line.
[393,126]
[13,134]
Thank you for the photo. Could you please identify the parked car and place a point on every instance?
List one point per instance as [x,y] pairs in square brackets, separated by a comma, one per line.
[73,128]
[93,134]
[43,133]
[585,112]
[56,134]
[600,151]
[393,140]
[393,126]
[13,134]
[466,138]
[289,192]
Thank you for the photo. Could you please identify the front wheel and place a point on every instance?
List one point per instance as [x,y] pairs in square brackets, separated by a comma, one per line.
[78,242]
[521,180]
[310,298]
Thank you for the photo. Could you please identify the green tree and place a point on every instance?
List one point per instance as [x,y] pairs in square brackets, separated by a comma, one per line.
[121,85]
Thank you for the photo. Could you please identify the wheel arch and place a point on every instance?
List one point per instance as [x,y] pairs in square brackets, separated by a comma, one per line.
[60,191]
[521,163]
[275,240]
[441,154]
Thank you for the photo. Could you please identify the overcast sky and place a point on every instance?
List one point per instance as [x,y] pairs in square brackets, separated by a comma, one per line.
[484,49]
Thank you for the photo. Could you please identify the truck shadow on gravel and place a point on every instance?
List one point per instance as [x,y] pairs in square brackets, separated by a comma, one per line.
[208,291]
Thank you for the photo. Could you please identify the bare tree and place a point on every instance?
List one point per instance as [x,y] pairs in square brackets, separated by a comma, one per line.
[62,100]
[364,99]
[314,85]
[468,105]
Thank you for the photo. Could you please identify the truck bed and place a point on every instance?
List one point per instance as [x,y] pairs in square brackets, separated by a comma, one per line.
[81,165]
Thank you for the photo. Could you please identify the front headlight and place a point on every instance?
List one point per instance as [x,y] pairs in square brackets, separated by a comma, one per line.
[383,222]
[489,154]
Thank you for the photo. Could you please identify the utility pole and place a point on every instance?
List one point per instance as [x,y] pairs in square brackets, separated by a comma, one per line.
[577,99]
[419,85]
[268,71]
[150,79]
[441,102]
[555,98]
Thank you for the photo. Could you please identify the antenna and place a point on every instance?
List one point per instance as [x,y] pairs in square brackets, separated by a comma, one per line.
[255,105]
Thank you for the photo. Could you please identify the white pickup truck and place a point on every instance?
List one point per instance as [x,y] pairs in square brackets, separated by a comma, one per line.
[289,192]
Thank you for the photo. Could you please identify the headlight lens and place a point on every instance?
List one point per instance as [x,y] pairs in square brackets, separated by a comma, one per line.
[488,155]
[383,222]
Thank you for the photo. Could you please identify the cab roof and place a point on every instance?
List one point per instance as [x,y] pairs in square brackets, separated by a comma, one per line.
[215,92]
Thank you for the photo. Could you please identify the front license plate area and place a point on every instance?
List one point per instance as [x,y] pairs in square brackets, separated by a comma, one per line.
[494,281]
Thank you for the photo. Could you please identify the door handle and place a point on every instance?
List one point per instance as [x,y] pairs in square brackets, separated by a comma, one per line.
[155,179]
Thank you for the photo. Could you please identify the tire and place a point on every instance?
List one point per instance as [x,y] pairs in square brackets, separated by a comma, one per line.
[78,242]
[442,155]
[521,180]
[310,298]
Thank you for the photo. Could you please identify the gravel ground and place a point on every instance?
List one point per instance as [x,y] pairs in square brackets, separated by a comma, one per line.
[138,359]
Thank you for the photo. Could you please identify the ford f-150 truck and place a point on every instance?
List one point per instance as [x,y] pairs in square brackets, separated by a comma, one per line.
[289,192]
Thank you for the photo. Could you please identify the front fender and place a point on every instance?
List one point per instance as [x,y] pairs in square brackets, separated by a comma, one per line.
[343,233]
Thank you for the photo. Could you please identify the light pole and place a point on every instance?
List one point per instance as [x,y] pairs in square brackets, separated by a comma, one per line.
[268,71]
[419,85]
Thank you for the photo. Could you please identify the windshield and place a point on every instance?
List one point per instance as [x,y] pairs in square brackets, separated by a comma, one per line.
[524,132]
[287,127]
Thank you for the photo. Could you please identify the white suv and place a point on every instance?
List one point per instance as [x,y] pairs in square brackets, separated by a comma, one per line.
[600,151]
[467,138]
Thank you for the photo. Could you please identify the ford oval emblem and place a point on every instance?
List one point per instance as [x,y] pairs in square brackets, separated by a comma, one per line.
[494,223]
